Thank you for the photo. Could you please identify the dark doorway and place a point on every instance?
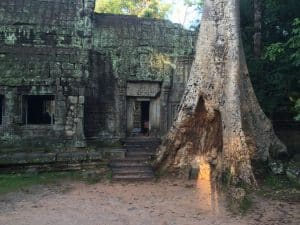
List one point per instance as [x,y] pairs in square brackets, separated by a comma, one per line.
[1,108]
[39,109]
[145,106]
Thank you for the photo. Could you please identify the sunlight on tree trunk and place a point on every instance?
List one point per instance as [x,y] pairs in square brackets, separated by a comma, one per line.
[219,117]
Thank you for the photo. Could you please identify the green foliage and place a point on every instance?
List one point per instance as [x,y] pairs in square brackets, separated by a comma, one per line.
[142,8]
[287,55]
[275,76]
[296,108]
[273,51]
[294,43]
[15,182]
[279,187]
[109,176]
[279,182]
[197,3]
[245,205]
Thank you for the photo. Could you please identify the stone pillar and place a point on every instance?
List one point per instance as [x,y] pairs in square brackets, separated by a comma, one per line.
[60,108]
[129,115]
[83,24]
[74,121]
[12,116]
[9,105]
[155,114]
[121,109]
[164,99]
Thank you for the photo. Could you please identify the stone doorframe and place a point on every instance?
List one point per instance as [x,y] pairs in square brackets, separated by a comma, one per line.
[144,91]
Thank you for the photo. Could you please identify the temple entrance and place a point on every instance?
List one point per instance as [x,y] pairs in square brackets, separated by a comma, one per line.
[138,114]
[145,107]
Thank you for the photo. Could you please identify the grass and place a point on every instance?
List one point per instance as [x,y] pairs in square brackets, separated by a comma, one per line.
[109,176]
[239,206]
[245,205]
[273,186]
[17,182]
[104,144]
[279,187]
[278,182]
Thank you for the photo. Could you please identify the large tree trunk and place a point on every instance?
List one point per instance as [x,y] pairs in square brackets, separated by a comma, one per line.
[257,26]
[219,118]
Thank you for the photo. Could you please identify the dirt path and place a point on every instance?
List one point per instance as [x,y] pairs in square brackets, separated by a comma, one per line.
[167,202]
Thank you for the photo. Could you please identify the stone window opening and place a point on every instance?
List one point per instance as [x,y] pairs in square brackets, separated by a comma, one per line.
[38,109]
[1,108]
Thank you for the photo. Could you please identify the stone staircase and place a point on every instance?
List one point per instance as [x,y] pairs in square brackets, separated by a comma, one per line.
[136,164]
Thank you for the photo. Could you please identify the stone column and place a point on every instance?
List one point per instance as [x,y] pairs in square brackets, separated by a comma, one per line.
[74,121]
[155,114]
[129,116]
[121,109]
[164,99]
[12,116]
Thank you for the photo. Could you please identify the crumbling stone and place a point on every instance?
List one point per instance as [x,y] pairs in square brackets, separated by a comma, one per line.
[48,48]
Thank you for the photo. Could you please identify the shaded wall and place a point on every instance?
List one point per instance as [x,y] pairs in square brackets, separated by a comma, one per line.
[141,50]
[61,48]
[100,105]
[43,51]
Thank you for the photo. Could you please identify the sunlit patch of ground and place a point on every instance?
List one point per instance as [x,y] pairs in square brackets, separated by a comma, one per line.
[165,202]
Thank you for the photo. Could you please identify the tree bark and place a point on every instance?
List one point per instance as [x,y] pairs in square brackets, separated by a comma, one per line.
[219,117]
[257,26]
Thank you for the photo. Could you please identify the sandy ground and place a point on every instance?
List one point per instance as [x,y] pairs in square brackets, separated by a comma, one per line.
[168,202]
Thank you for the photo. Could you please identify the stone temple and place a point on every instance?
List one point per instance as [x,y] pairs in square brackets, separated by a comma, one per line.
[69,75]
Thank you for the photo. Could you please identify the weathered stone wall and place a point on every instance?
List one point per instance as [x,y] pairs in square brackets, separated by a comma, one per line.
[44,51]
[101,94]
[136,49]
[61,48]
[141,48]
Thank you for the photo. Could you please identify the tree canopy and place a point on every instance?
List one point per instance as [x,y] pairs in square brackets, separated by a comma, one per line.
[276,74]
[142,8]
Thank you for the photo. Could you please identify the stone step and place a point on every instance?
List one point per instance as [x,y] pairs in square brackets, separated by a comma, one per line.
[141,150]
[136,164]
[141,143]
[137,151]
[130,159]
[154,140]
[132,170]
[151,174]
[148,154]
[136,139]
[141,146]
[137,158]
[134,177]
[128,163]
